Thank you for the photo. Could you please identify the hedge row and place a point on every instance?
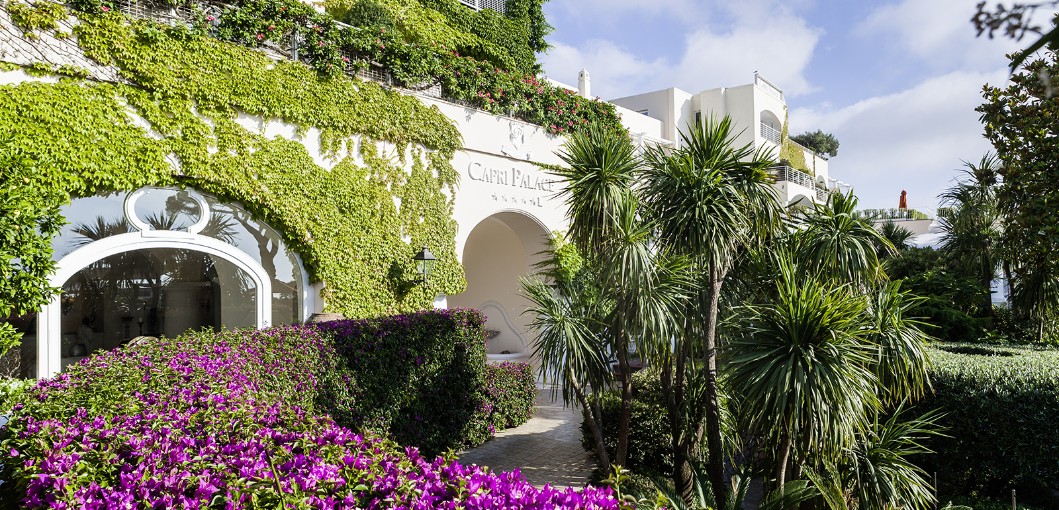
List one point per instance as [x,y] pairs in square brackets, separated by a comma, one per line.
[229,420]
[1002,408]
[650,440]
[422,379]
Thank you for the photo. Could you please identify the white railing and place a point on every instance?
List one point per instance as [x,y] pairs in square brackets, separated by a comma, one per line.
[789,174]
[767,86]
[771,134]
[496,5]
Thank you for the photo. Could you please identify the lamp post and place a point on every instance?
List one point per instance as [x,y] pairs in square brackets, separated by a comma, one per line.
[424,263]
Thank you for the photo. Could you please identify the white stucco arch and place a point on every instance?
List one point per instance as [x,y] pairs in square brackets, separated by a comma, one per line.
[496,253]
[49,338]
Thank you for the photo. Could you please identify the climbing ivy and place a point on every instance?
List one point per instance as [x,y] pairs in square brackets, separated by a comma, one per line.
[38,15]
[481,58]
[354,225]
[791,153]
[29,215]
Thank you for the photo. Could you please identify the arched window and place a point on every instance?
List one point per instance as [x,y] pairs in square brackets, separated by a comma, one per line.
[159,261]
[771,127]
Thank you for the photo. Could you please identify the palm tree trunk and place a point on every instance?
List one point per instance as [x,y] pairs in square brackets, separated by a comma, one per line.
[782,461]
[621,452]
[593,420]
[673,391]
[713,408]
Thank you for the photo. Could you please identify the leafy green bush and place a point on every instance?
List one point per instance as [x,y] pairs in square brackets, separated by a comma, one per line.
[650,442]
[509,393]
[1001,407]
[950,299]
[417,377]
[1011,326]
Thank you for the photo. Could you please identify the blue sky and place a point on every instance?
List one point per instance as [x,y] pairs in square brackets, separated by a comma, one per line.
[897,82]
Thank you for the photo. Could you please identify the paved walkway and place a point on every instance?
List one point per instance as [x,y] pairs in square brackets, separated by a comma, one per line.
[547,448]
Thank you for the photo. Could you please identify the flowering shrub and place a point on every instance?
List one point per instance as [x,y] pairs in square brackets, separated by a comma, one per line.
[510,391]
[416,377]
[227,420]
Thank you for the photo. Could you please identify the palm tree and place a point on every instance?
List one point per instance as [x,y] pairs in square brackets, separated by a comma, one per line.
[571,349]
[970,225]
[801,366]
[900,360]
[877,470]
[841,245]
[898,237]
[645,287]
[711,201]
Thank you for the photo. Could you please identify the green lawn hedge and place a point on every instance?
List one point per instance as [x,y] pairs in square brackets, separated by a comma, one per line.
[422,379]
[1002,414]
[650,442]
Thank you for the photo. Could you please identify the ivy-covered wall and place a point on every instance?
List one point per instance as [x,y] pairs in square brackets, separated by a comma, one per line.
[792,153]
[174,121]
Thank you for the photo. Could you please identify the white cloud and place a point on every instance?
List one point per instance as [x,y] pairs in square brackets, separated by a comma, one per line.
[614,71]
[938,33]
[779,46]
[913,140]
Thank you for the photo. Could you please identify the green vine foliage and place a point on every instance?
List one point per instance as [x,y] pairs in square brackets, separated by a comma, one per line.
[190,88]
[791,153]
[482,59]
[38,15]
[30,194]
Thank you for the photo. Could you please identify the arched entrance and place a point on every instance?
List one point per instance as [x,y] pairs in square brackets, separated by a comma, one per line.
[498,251]
[158,262]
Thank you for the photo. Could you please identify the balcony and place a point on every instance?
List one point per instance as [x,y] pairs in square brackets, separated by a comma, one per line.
[795,176]
[891,214]
[771,134]
[496,5]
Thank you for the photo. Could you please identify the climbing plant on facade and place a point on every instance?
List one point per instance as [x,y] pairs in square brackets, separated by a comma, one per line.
[180,118]
[28,216]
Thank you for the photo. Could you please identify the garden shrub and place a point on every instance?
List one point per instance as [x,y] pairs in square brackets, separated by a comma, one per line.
[950,299]
[1001,407]
[650,441]
[227,420]
[417,377]
[510,390]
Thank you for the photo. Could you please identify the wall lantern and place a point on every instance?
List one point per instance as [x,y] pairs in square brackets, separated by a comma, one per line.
[424,263]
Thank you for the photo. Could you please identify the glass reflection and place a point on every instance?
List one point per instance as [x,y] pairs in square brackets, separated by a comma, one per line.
[154,292]
[101,216]
[21,361]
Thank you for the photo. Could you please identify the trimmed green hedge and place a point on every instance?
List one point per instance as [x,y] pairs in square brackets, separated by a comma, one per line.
[1002,410]
[418,376]
[650,442]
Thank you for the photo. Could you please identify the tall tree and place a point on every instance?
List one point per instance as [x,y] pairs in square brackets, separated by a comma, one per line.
[1020,122]
[970,226]
[1015,22]
[840,244]
[801,365]
[711,202]
[819,142]
[645,288]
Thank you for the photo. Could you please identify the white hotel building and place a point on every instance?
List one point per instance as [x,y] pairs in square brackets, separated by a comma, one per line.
[505,209]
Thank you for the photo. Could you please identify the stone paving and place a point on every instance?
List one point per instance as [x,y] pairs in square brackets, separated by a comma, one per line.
[547,448]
